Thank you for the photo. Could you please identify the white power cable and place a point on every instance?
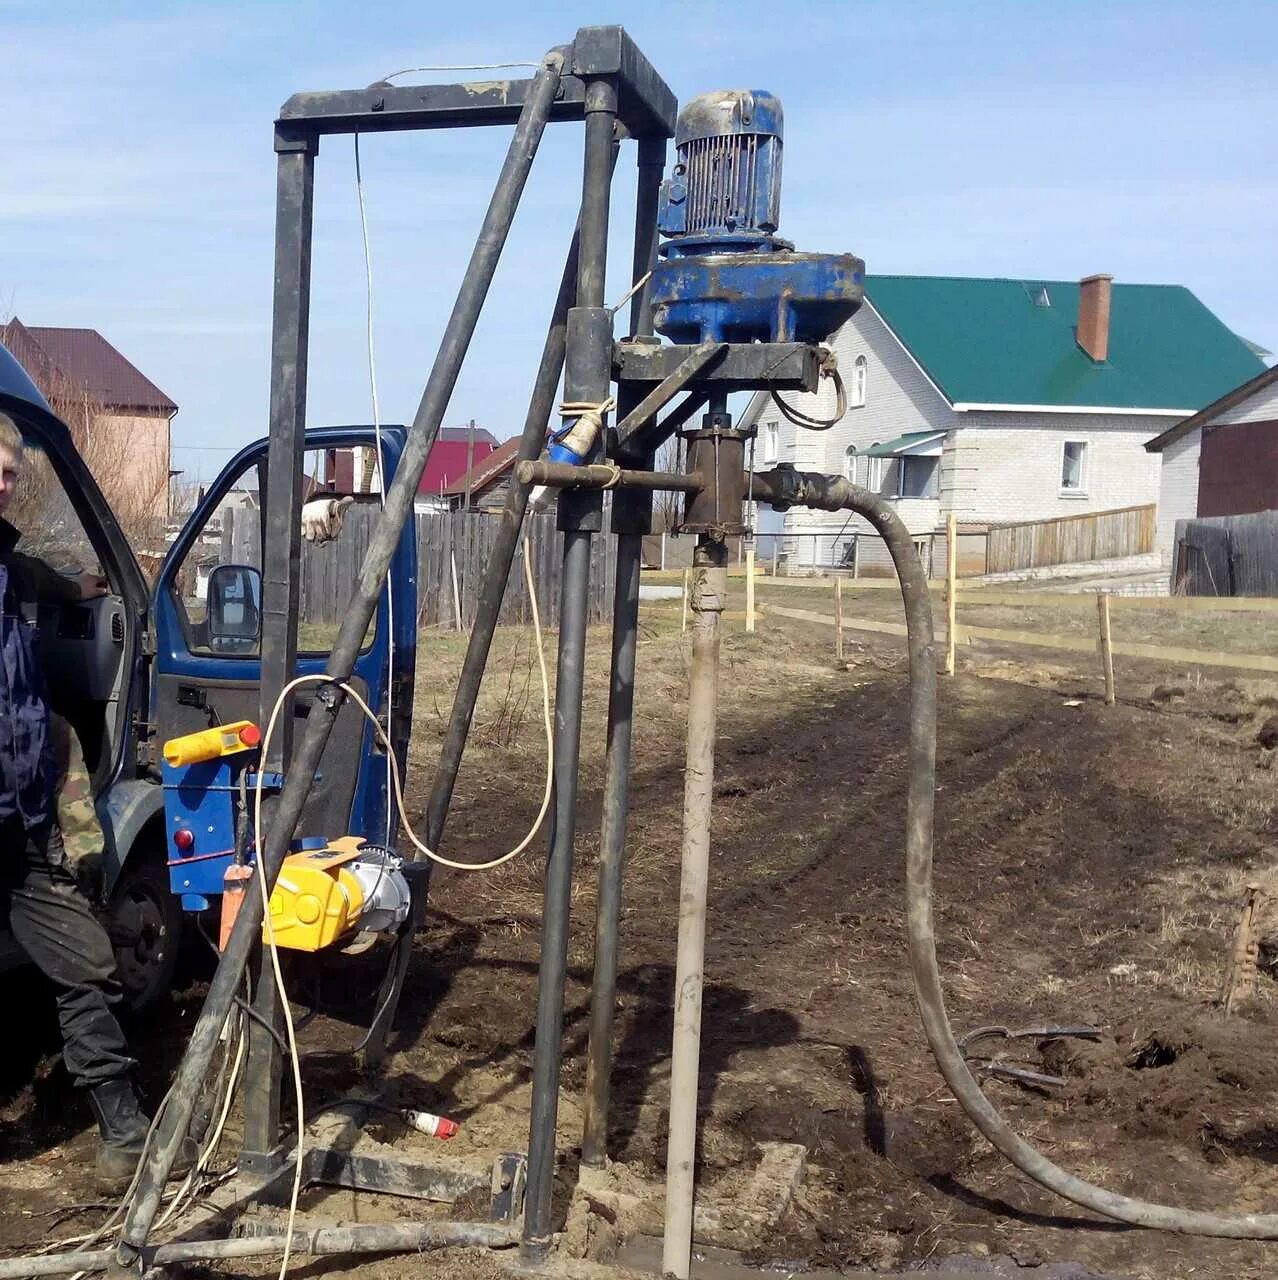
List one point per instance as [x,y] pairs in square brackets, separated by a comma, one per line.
[459,66]
[268,926]
[381,468]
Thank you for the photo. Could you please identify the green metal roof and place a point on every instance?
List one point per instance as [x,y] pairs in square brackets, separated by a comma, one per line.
[993,342]
[902,444]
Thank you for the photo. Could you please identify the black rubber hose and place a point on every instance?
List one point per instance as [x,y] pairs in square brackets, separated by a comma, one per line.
[831,494]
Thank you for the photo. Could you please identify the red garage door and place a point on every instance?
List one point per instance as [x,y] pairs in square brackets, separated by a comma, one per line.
[1238,469]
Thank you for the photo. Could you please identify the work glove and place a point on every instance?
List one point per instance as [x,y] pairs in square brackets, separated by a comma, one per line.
[322,518]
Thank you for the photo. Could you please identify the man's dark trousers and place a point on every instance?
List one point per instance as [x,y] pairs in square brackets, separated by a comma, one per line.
[51,920]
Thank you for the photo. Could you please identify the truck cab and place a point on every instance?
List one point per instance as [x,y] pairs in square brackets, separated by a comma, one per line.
[178,650]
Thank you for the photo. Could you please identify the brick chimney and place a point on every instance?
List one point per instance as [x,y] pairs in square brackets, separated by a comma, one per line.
[1093,315]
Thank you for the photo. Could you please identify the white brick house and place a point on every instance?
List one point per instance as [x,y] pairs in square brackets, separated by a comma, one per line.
[1254,403]
[998,400]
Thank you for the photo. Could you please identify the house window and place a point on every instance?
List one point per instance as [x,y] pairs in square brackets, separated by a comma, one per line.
[918,477]
[872,471]
[771,442]
[849,463]
[856,392]
[1074,466]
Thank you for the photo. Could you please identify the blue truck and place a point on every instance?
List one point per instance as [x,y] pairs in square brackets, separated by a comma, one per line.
[151,661]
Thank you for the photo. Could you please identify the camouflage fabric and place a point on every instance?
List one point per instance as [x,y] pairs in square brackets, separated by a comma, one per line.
[77,818]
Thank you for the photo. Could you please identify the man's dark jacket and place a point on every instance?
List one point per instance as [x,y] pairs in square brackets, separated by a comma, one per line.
[27,771]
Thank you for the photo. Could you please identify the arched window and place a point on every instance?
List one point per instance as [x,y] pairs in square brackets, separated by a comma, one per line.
[849,463]
[856,392]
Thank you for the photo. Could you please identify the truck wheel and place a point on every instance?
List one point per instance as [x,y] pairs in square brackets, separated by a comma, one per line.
[144,922]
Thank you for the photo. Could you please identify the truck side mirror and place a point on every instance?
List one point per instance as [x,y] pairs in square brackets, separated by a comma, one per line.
[235,609]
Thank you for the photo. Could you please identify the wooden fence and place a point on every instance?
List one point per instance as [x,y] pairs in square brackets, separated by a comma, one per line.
[1227,556]
[1098,535]
[453,549]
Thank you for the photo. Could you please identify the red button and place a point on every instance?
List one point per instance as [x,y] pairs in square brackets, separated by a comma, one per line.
[250,735]
[184,839]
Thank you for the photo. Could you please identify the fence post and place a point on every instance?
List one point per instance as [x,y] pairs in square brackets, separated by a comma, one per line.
[1106,649]
[951,593]
[663,552]
[749,568]
[776,553]
[684,626]
[838,619]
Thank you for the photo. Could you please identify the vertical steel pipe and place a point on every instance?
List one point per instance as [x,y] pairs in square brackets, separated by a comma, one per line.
[616,802]
[569,676]
[709,585]
[587,377]
[294,207]
[323,713]
[632,517]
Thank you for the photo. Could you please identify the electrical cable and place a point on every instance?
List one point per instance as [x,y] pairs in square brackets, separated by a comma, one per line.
[829,369]
[459,66]
[259,829]
[547,718]
[929,993]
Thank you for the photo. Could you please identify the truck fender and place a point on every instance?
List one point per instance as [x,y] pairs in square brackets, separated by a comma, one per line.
[124,812]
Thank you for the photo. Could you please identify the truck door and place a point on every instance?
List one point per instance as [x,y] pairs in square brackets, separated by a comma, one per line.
[207,610]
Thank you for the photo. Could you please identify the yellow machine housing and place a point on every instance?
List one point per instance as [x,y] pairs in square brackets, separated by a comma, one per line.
[316,900]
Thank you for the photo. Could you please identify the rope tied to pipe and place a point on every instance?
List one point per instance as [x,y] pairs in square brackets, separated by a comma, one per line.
[829,368]
[588,422]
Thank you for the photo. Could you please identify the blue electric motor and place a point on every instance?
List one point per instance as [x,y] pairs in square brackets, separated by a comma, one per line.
[726,275]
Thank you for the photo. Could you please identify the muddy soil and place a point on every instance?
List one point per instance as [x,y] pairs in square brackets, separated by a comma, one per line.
[1091,863]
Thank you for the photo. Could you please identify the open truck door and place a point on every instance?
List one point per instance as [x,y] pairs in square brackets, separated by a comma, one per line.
[207,668]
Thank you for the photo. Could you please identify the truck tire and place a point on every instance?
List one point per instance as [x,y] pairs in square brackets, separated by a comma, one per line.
[144,923]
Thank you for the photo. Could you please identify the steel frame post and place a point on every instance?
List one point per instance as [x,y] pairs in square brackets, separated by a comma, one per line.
[587,377]
[323,713]
[632,518]
[294,221]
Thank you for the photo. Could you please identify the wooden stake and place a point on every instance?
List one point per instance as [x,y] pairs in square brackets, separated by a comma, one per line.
[749,567]
[951,593]
[1106,648]
[838,619]
[686,576]
[1240,973]
[776,552]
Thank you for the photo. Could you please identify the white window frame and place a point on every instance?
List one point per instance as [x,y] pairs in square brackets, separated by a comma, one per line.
[860,380]
[900,478]
[849,463]
[873,476]
[1080,489]
[771,443]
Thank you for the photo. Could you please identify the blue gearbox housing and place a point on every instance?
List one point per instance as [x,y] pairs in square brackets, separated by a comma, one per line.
[725,275]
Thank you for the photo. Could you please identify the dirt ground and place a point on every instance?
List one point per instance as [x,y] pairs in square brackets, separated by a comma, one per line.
[1091,863]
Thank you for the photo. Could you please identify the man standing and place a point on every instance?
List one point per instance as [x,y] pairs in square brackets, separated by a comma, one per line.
[42,775]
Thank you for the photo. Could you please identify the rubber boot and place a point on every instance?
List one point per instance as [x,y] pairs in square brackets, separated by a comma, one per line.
[122,1128]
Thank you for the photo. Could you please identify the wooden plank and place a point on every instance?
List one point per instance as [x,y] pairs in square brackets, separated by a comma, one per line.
[849,624]
[1172,604]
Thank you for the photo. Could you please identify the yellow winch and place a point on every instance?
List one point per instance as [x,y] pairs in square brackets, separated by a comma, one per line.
[322,896]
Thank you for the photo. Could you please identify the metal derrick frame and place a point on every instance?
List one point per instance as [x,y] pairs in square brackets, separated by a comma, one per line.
[602,79]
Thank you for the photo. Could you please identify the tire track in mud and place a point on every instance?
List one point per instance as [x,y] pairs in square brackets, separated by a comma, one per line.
[870,820]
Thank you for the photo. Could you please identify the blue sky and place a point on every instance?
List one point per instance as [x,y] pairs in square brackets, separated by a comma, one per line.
[1033,139]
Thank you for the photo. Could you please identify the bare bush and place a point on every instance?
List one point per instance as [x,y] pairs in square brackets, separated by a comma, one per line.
[133,477]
